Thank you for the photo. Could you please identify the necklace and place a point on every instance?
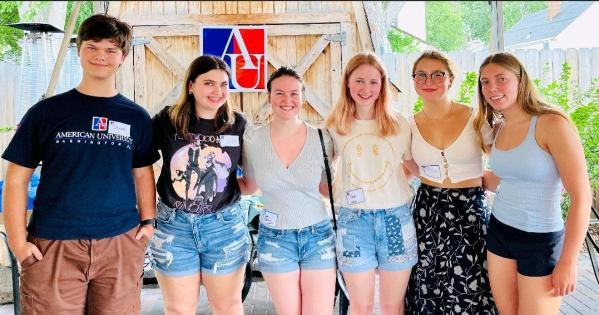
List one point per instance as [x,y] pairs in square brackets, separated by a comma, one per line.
[444,115]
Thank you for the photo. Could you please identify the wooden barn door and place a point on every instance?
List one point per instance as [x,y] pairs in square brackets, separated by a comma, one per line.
[161,54]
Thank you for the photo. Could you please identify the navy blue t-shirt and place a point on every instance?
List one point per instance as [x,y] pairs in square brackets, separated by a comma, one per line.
[88,147]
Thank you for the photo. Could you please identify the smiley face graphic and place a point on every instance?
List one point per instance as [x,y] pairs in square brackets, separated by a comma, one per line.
[366,149]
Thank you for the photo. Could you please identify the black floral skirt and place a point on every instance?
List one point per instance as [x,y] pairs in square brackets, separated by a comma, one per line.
[451,274]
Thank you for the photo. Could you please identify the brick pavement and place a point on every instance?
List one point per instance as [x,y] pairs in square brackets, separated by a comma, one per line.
[584,301]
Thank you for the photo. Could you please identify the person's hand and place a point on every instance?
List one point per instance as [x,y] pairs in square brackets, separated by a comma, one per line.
[563,279]
[145,231]
[25,250]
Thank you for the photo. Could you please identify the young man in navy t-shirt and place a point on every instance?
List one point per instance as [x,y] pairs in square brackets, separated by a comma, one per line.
[83,249]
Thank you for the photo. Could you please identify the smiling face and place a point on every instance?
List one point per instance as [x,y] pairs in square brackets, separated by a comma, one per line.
[499,86]
[210,91]
[100,59]
[285,97]
[437,83]
[364,85]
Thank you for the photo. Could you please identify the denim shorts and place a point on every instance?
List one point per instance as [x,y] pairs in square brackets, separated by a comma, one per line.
[186,243]
[536,254]
[286,250]
[381,238]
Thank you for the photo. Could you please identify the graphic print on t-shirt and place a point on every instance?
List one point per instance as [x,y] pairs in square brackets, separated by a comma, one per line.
[199,172]
[359,153]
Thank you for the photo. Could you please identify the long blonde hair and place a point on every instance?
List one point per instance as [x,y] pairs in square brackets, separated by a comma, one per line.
[185,106]
[528,95]
[344,111]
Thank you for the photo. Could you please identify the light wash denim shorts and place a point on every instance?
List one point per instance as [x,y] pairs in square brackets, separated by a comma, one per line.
[286,250]
[186,243]
[381,238]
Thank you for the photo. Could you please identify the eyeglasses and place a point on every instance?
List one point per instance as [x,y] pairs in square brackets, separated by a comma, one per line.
[421,77]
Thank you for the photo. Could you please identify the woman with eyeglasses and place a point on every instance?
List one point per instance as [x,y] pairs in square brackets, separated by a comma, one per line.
[449,209]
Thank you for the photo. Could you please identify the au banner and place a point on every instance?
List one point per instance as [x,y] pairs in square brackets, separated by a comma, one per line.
[243,48]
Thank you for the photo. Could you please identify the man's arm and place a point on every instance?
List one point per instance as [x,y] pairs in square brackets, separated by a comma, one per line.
[15,211]
[145,190]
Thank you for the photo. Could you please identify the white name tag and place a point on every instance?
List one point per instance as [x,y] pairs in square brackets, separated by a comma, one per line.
[229,141]
[355,196]
[432,171]
[269,219]
[119,128]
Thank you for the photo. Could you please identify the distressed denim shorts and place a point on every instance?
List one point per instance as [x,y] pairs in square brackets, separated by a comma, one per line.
[186,243]
[381,238]
[286,250]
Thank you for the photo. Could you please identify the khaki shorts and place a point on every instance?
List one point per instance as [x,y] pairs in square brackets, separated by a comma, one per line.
[102,276]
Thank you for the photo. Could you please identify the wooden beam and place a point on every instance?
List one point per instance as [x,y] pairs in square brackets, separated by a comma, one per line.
[249,19]
[139,73]
[170,98]
[272,30]
[362,24]
[167,59]
[316,102]
[311,55]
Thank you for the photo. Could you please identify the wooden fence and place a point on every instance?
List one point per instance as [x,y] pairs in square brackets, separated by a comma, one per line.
[540,64]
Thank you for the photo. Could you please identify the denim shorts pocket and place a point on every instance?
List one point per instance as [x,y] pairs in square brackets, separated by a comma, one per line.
[164,213]
[347,216]
[229,215]
[268,232]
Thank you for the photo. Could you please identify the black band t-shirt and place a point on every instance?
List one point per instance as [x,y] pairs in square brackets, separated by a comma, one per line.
[198,176]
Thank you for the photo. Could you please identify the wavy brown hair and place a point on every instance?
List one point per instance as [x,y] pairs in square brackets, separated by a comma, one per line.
[528,96]
[185,105]
[344,111]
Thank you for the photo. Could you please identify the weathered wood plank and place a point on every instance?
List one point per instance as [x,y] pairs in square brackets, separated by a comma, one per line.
[264,18]
[362,26]
[167,59]
[273,30]
[139,74]
[311,55]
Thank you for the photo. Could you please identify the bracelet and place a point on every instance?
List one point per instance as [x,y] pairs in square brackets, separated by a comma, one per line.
[151,222]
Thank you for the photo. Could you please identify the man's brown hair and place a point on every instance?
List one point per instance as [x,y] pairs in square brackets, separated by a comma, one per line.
[100,26]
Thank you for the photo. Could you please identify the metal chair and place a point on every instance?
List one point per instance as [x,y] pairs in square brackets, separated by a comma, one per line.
[592,245]
[15,276]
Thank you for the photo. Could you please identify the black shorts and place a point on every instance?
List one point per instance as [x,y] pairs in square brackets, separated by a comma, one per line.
[536,254]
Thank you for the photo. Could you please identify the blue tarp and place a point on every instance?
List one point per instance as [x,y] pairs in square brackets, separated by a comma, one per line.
[35,179]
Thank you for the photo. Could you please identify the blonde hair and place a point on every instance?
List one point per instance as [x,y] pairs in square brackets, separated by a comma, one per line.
[185,106]
[343,112]
[528,96]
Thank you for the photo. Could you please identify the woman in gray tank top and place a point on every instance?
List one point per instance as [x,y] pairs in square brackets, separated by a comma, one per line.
[531,257]
[296,242]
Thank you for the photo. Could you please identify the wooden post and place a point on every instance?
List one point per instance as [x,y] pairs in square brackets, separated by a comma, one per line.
[497,43]
[63,49]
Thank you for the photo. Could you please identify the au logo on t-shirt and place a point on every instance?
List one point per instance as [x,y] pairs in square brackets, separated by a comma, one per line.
[99,123]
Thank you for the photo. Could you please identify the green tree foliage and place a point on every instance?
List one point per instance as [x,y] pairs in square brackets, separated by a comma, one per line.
[467,88]
[10,49]
[583,109]
[86,10]
[445,24]
[401,42]
[9,37]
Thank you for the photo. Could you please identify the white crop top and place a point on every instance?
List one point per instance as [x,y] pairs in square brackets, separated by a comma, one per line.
[460,161]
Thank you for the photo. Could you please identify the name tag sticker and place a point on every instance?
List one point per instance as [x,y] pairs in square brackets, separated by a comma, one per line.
[432,171]
[119,128]
[269,219]
[355,196]
[229,141]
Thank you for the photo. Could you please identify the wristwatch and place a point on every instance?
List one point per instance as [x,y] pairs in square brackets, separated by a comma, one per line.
[151,222]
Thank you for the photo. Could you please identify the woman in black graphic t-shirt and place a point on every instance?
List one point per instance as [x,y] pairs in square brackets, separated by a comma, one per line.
[201,236]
